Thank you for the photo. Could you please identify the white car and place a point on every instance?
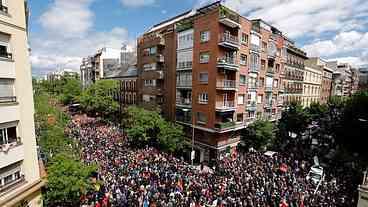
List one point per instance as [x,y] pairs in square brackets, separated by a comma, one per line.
[315,174]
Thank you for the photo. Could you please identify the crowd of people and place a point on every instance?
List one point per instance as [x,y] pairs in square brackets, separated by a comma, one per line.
[146,177]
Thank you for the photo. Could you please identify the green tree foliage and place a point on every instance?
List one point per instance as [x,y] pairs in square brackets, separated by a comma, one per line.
[317,111]
[148,127]
[259,134]
[98,98]
[294,119]
[67,180]
[171,136]
[354,124]
[70,91]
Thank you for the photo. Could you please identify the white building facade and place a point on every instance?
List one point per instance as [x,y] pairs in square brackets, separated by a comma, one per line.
[20,181]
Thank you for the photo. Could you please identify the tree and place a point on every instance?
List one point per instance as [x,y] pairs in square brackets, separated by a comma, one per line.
[98,98]
[294,120]
[148,127]
[317,111]
[142,125]
[354,124]
[259,134]
[71,90]
[67,180]
[171,136]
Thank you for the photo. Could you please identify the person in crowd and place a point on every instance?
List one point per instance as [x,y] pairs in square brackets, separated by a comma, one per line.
[148,177]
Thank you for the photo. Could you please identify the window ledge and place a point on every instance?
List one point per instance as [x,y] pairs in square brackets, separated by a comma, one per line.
[9,104]
[5,14]
[6,59]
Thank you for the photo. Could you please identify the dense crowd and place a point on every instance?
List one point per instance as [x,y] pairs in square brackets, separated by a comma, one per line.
[147,177]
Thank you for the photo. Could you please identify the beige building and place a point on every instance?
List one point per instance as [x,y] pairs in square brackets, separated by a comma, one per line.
[311,84]
[20,181]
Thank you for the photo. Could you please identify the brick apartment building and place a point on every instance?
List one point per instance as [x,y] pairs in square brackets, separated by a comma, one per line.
[293,74]
[213,70]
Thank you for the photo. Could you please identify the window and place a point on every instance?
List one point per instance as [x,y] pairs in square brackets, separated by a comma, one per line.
[8,135]
[6,89]
[243,79]
[241,99]
[203,77]
[254,61]
[149,82]
[149,51]
[203,98]
[275,83]
[255,39]
[239,117]
[261,82]
[4,46]
[263,64]
[243,59]
[260,99]
[185,39]
[185,59]
[277,68]
[264,46]
[201,118]
[205,36]
[204,57]
[244,38]
[148,67]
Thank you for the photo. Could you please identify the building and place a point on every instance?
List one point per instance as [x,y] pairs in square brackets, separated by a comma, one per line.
[63,73]
[312,83]
[128,85]
[99,65]
[363,77]
[20,183]
[293,75]
[327,73]
[212,70]
[345,79]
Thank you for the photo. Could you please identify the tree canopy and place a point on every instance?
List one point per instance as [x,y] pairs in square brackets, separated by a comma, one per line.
[98,98]
[67,180]
[148,127]
[259,134]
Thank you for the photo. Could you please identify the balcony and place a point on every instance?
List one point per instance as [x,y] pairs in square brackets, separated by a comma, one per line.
[184,84]
[11,153]
[255,48]
[268,104]
[184,119]
[253,86]
[228,18]
[160,58]
[226,85]
[184,102]
[268,89]
[249,120]
[222,126]
[229,41]
[13,183]
[8,99]
[184,65]
[228,63]
[270,71]
[252,106]
[254,68]
[223,106]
